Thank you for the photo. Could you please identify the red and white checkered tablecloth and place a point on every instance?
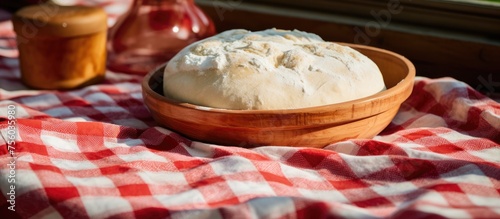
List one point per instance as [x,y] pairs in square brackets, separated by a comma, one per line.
[96,152]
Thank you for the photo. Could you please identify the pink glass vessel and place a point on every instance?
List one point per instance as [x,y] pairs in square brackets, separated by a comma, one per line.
[152,32]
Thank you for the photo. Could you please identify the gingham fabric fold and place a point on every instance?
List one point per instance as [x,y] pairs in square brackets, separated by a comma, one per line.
[96,152]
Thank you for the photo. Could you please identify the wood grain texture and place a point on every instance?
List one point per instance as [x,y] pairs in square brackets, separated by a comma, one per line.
[313,127]
[63,63]
[61,47]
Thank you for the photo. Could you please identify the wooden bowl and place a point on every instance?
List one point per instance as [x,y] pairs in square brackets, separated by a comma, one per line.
[307,127]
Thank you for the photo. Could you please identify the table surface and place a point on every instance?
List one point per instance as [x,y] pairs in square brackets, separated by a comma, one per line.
[96,152]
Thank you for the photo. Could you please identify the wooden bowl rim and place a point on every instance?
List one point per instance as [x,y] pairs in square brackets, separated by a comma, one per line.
[401,85]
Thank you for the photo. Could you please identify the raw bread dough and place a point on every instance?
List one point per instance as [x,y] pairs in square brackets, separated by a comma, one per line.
[270,69]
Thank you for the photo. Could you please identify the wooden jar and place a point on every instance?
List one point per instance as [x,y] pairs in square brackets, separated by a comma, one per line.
[61,47]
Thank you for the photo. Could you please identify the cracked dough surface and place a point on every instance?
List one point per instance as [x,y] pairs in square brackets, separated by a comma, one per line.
[269,69]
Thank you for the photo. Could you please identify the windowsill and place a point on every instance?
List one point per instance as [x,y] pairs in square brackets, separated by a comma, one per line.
[354,21]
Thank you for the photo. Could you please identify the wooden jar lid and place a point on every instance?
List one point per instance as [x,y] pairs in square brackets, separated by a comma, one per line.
[49,20]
